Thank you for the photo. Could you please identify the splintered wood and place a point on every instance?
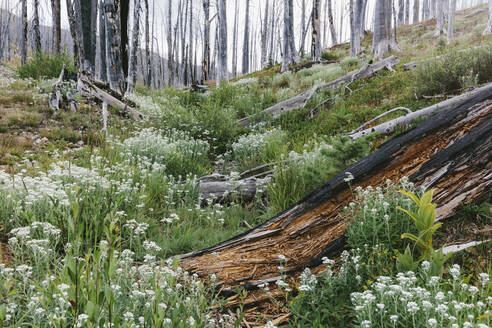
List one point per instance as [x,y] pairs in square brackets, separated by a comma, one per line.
[450,152]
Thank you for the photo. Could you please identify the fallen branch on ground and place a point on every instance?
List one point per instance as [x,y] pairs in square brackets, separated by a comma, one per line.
[466,99]
[397,109]
[301,100]
[477,12]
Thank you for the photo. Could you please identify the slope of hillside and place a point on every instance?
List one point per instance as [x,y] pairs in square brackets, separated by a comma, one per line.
[93,221]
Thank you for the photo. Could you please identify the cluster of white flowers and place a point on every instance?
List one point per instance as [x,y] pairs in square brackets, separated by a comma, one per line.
[51,185]
[406,301]
[36,240]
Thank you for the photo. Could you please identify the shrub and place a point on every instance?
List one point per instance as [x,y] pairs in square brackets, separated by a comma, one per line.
[331,55]
[257,148]
[349,64]
[454,71]
[47,66]
[302,173]
[373,218]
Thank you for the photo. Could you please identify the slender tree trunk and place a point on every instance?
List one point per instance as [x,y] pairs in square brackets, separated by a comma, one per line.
[356,13]
[56,21]
[452,10]
[245,66]
[382,29]
[488,29]
[416,11]
[24,32]
[234,40]
[315,40]
[331,22]
[222,73]
[407,12]
[264,35]
[35,28]
[124,8]
[271,57]
[303,26]
[132,69]
[75,22]
[190,42]
[103,74]
[401,12]
[440,18]
[291,39]
[206,41]
[152,68]
[170,44]
[286,56]
[116,76]
[147,72]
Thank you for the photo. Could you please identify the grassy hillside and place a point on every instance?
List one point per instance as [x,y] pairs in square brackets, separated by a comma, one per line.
[88,216]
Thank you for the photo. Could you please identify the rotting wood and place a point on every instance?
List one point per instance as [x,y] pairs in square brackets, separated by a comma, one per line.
[56,99]
[301,99]
[459,140]
[466,99]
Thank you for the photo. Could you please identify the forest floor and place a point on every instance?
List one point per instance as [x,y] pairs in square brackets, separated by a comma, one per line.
[88,217]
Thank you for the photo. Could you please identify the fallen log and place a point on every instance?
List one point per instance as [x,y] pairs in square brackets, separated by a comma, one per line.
[451,152]
[477,12]
[87,88]
[221,188]
[301,100]
[466,99]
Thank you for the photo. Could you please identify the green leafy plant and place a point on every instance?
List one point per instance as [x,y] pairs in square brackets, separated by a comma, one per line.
[47,66]
[424,221]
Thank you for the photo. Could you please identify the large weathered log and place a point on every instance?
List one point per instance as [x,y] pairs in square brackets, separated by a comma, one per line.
[451,152]
[87,88]
[476,12]
[466,99]
[301,100]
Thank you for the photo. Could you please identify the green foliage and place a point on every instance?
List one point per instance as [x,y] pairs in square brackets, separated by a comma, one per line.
[454,72]
[373,218]
[47,66]
[350,64]
[302,173]
[423,219]
[331,55]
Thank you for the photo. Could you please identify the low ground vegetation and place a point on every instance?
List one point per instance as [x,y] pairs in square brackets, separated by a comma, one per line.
[86,216]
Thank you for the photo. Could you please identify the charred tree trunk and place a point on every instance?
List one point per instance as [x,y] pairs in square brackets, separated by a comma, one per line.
[132,70]
[114,52]
[35,28]
[56,21]
[75,22]
[24,32]
[382,41]
[102,71]
[440,18]
[234,39]
[449,152]
[264,36]
[148,72]
[245,66]
[401,12]
[206,41]
[170,58]
[124,8]
[315,40]
[407,12]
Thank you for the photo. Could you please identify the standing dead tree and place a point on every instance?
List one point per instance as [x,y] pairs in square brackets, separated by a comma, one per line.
[132,69]
[24,32]
[382,41]
[56,21]
[222,74]
[246,51]
[316,36]
[488,28]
